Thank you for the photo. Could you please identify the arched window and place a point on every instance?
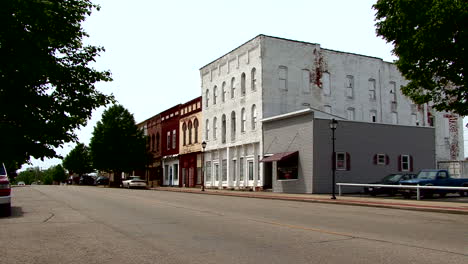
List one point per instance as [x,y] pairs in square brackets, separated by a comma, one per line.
[223,92]
[254,117]
[233,87]
[150,143]
[190,132]
[184,134]
[207,97]
[207,129]
[233,126]
[153,146]
[215,127]
[157,141]
[223,129]
[215,94]
[243,84]
[253,79]
[195,127]
[243,120]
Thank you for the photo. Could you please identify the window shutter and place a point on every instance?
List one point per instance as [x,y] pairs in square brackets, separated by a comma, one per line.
[411,163]
[375,159]
[387,160]
[348,161]
[399,163]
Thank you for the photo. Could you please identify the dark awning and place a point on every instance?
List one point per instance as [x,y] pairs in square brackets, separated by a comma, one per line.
[279,156]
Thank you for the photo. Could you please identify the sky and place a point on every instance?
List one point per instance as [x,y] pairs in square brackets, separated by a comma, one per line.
[155,49]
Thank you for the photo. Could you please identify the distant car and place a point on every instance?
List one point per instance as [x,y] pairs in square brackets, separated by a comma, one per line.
[5,192]
[134,182]
[21,183]
[86,180]
[391,179]
[101,180]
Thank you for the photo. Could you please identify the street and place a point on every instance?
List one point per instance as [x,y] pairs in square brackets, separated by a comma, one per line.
[81,224]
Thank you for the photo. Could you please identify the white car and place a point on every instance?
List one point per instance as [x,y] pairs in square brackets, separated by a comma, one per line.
[5,192]
[134,182]
[21,183]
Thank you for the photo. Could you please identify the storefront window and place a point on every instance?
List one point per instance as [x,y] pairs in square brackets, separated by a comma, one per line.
[287,169]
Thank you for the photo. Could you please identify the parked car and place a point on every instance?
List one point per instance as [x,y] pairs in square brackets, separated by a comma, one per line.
[5,192]
[435,178]
[101,180]
[134,182]
[86,180]
[391,179]
[21,183]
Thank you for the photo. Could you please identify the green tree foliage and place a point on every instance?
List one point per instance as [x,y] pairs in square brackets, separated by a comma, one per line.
[28,176]
[47,88]
[78,160]
[430,40]
[117,145]
[58,173]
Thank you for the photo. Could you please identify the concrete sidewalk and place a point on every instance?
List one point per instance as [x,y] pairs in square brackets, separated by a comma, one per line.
[407,204]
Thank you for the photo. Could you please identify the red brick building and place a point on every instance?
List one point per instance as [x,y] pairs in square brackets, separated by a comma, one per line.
[170,145]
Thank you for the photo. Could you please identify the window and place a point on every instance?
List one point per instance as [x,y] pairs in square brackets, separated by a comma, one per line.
[184,134]
[350,113]
[233,125]
[306,81]
[342,161]
[373,116]
[176,172]
[283,78]
[153,146]
[234,168]
[327,109]
[224,168]
[243,84]
[168,143]
[195,127]
[207,129]
[393,94]
[207,97]
[349,86]
[326,83]
[190,132]
[208,171]
[287,169]
[216,171]
[405,163]
[251,170]
[254,117]
[223,92]
[157,141]
[253,79]
[233,87]
[215,94]
[215,127]
[381,159]
[371,84]
[243,120]
[241,169]
[174,139]
[223,129]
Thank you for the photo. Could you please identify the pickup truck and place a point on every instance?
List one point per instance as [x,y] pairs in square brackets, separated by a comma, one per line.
[435,178]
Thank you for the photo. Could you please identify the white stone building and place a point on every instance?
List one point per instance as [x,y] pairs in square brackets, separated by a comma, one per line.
[269,76]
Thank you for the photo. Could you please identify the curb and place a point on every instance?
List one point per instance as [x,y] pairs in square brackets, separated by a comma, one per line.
[377,204]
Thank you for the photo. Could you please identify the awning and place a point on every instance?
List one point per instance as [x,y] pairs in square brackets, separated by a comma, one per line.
[279,156]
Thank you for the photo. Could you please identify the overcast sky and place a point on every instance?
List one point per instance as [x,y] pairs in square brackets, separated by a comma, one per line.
[155,48]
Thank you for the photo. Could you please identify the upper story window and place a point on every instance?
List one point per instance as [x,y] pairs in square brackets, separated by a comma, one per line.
[253,79]
[207,129]
[372,94]
[351,113]
[393,92]
[254,117]
[326,83]
[215,127]
[190,132]
[184,134]
[305,81]
[207,97]
[233,125]
[349,86]
[195,127]
[283,78]
[157,141]
[215,94]
[243,120]
[233,87]
[223,129]
[174,137]
[168,140]
[223,92]
[243,84]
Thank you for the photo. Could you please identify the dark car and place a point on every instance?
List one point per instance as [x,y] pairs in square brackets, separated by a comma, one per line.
[101,180]
[86,180]
[391,179]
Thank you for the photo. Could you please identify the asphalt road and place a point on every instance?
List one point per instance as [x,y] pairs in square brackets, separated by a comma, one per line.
[76,224]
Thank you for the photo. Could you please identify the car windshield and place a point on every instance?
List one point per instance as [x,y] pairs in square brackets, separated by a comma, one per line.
[392,178]
[431,175]
[2,170]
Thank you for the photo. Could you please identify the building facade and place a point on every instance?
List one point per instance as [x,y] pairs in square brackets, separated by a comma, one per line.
[170,145]
[154,165]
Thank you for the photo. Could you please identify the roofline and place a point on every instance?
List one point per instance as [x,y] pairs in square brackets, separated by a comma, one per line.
[287,115]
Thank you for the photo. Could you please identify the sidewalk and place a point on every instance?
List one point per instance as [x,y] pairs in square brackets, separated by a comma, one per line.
[407,204]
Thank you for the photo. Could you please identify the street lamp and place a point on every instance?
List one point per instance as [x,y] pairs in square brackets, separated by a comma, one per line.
[203,144]
[333,124]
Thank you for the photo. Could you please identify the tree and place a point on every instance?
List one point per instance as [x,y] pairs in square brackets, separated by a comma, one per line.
[47,88]
[430,40]
[58,173]
[78,160]
[117,145]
